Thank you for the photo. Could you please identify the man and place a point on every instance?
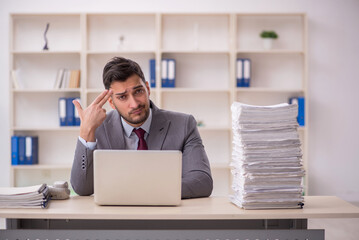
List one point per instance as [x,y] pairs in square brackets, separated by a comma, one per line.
[128,94]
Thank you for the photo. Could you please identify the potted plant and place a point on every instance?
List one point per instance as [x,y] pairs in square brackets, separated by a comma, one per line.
[268,37]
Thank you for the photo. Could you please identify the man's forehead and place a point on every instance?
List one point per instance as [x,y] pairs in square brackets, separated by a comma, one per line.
[125,89]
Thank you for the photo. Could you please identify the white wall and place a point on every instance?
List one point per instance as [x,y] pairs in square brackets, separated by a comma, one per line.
[333,76]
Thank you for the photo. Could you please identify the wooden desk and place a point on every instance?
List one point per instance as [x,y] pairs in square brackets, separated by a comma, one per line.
[202,214]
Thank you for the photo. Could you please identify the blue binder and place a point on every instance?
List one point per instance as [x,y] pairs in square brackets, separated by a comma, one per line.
[70,112]
[14,150]
[301,109]
[239,72]
[22,147]
[62,111]
[246,72]
[171,74]
[152,73]
[164,73]
[31,150]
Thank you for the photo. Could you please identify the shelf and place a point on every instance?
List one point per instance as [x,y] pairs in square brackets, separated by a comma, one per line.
[271,51]
[193,90]
[205,47]
[120,52]
[269,90]
[45,52]
[195,51]
[209,128]
[46,90]
[217,165]
[41,167]
[47,129]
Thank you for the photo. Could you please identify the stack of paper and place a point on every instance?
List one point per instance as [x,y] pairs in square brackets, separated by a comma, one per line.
[25,197]
[266,158]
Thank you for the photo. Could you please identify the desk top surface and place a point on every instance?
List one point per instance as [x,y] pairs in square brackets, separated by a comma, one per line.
[201,208]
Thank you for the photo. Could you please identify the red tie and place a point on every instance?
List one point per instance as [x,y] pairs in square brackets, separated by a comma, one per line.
[142,145]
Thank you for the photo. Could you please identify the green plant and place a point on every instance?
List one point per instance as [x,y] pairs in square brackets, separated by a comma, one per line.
[269,34]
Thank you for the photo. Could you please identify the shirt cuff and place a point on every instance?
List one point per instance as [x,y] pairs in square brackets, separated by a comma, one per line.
[89,145]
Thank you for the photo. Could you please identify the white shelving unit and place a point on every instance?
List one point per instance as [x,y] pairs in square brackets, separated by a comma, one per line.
[205,47]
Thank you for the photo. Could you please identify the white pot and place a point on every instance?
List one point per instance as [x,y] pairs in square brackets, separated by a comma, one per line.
[267,43]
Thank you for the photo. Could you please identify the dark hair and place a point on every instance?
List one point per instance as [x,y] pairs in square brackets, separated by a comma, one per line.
[119,69]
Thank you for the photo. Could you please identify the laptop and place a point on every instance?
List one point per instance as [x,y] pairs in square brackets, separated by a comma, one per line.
[131,177]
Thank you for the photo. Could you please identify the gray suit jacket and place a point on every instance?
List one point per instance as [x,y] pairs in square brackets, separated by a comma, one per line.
[168,131]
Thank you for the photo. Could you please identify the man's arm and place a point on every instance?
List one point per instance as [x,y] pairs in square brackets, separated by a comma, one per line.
[82,168]
[196,176]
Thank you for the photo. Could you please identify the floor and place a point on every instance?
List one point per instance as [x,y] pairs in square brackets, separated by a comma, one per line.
[347,229]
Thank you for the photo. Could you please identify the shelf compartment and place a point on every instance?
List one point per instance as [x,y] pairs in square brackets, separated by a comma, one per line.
[265,98]
[288,27]
[221,181]
[96,63]
[201,70]
[203,32]
[210,108]
[27,69]
[32,175]
[138,32]
[38,110]
[217,145]
[262,75]
[64,32]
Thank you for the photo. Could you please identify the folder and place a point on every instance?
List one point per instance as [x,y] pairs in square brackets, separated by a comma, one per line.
[62,111]
[152,73]
[70,112]
[22,146]
[164,72]
[14,150]
[171,73]
[77,117]
[239,72]
[246,72]
[300,101]
[31,150]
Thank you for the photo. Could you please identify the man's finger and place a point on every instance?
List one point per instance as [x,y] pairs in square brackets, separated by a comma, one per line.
[78,106]
[104,100]
[100,97]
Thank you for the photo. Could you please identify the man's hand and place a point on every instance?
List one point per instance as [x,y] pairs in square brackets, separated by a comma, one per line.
[93,116]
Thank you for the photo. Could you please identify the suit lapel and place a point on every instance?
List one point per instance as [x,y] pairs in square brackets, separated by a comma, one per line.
[158,129]
[114,131]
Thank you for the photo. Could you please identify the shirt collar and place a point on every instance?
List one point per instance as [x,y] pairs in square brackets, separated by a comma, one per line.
[145,126]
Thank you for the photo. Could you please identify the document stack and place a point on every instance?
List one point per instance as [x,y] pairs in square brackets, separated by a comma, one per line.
[36,196]
[266,159]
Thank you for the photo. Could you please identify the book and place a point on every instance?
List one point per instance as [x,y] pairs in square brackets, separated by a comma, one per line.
[74,81]
[59,78]
[15,80]
[36,196]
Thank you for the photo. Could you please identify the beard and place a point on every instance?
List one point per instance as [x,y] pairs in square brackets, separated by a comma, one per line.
[135,121]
